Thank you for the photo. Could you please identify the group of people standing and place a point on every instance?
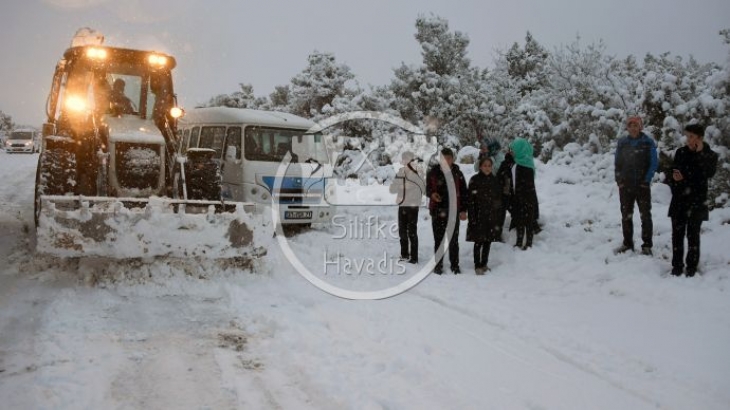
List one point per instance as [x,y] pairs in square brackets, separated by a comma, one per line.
[502,183]
[636,162]
[507,182]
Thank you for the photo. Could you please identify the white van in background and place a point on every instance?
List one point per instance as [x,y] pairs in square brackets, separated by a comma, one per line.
[22,140]
[251,145]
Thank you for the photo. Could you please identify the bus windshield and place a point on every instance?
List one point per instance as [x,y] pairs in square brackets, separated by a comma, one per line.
[272,144]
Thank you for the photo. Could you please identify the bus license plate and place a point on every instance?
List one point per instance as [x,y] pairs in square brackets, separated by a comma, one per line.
[297,214]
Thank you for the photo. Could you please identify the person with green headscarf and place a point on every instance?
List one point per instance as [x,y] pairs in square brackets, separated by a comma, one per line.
[524,197]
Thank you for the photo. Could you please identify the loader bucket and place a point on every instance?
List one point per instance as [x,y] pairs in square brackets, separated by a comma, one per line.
[120,228]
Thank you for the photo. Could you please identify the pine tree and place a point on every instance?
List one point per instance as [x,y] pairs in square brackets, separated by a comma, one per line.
[528,65]
[318,85]
[444,90]
[244,98]
[6,122]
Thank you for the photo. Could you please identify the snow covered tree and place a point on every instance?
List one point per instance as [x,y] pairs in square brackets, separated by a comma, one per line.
[318,85]
[443,90]
[279,99]
[6,122]
[244,98]
[718,133]
[528,65]
[587,104]
[517,92]
[444,52]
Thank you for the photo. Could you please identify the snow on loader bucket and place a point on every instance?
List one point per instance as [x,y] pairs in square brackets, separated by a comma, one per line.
[105,227]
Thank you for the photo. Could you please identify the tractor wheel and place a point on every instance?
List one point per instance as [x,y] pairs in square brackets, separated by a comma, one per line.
[203,180]
[55,175]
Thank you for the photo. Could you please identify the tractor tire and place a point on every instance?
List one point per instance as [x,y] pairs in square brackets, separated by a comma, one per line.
[203,180]
[55,175]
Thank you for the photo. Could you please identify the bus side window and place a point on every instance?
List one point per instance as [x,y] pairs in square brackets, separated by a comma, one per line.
[194,136]
[233,139]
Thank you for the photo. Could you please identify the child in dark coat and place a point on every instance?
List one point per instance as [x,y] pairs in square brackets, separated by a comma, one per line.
[484,205]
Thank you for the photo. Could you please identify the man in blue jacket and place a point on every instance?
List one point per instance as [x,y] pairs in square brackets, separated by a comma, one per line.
[635,164]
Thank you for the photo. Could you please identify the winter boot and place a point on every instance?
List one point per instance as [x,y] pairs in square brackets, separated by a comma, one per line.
[520,237]
[528,240]
[624,248]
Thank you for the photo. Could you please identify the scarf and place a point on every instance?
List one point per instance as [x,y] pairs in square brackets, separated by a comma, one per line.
[522,152]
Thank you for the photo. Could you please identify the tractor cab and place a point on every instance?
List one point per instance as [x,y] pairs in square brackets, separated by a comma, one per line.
[93,84]
[107,108]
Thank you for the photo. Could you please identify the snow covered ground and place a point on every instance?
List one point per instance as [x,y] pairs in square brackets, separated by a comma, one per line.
[565,325]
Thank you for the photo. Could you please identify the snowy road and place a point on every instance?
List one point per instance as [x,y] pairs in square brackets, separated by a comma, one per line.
[565,325]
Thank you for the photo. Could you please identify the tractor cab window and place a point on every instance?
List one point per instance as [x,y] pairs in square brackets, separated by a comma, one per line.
[125,94]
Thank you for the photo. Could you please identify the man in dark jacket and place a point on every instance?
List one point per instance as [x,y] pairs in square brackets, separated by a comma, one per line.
[121,104]
[635,164]
[438,193]
[694,164]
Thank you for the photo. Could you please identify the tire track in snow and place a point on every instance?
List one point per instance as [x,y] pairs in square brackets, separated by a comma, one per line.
[556,353]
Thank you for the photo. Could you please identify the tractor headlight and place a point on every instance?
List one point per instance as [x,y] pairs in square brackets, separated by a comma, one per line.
[176,112]
[157,60]
[76,103]
[96,53]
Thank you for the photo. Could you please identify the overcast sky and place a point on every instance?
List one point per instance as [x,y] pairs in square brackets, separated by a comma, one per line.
[221,43]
